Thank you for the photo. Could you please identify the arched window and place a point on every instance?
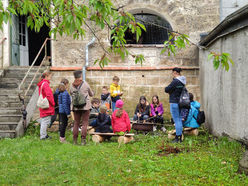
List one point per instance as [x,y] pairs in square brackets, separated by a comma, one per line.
[156,32]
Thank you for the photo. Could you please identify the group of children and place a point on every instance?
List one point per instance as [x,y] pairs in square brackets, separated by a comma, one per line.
[101,118]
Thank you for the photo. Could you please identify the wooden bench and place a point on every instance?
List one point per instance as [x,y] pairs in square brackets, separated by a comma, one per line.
[98,137]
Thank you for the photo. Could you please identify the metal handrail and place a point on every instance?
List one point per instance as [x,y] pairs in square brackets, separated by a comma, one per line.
[23,80]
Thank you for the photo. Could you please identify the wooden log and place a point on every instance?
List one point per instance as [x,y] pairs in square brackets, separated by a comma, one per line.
[97,138]
[192,132]
[125,139]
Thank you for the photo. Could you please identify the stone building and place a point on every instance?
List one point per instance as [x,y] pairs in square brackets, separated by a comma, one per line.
[190,17]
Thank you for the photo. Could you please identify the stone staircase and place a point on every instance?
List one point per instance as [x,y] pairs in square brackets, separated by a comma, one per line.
[10,105]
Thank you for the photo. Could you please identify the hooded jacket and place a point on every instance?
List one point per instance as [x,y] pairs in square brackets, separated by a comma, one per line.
[121,124]
[193,112]
[64,101]
[174,89]
[46,92]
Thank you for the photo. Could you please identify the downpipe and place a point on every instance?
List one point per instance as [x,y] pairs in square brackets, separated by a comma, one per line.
[87,57]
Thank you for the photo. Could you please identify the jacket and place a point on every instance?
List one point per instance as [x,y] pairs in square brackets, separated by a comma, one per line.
[87,92]
[106,100]
[158,109]
[174,89]
[93,112]
[64,101]
[121,124]
[46,92]
[146,111]
[193,112]
[114,90]
[56,97]
[103,123]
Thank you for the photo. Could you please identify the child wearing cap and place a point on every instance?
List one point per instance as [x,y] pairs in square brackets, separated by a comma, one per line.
[120,119]
[103,121]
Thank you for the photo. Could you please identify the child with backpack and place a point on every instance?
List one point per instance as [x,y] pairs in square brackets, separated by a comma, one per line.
[115,91]
[142,110]
[64,102]
[103,121]
[120,119]
[191,120]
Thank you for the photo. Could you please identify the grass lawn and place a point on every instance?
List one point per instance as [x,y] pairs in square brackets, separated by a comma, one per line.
[203,160]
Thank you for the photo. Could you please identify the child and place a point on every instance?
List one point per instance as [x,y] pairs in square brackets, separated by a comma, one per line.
[94,111]
[103,121]
[193,112]
[157,111]
[64,102]
[120,119]
[105,97]
[142,110]
[115,91]
[55,96]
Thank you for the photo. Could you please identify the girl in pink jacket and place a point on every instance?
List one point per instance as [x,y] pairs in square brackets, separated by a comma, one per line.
[120,119]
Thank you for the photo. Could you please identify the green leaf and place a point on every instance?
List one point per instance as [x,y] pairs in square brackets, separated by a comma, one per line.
[210,56]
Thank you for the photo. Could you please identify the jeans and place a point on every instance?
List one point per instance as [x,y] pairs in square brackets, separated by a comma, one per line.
[63,124]
[113,106]
[143,117]
[83,117]
[45,121]
[175,112]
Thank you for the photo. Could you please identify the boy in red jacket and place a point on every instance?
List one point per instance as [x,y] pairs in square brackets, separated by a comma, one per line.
[120,119]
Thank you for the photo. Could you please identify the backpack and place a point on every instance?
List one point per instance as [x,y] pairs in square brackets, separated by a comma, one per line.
[184,101]
[200,117]
[78,99]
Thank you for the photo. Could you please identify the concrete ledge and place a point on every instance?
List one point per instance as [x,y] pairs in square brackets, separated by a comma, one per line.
[30,110]
[122,68]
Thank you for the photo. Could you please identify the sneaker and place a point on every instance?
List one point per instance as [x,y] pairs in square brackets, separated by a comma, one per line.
[163,129]
[154,128]
[178,139]
[47,137]
[83,142]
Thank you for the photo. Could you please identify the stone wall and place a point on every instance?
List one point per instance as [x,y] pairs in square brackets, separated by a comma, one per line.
[191,17]
[224,94]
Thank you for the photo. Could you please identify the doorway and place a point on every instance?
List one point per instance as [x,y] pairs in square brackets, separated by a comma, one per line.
[26,43]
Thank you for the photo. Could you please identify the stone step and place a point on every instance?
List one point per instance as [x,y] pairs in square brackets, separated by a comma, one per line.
[10,105]
[8,125]
[10,111]
[10,117]
[7,133]
[4,92]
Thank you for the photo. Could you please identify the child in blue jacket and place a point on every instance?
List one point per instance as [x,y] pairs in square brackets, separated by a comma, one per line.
[64,102]
[193,112]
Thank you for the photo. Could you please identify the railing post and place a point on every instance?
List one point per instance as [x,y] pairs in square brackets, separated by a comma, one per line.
[46,51]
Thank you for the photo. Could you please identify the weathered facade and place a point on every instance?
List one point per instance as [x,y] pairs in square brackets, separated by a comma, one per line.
[191,17]
[224,94]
